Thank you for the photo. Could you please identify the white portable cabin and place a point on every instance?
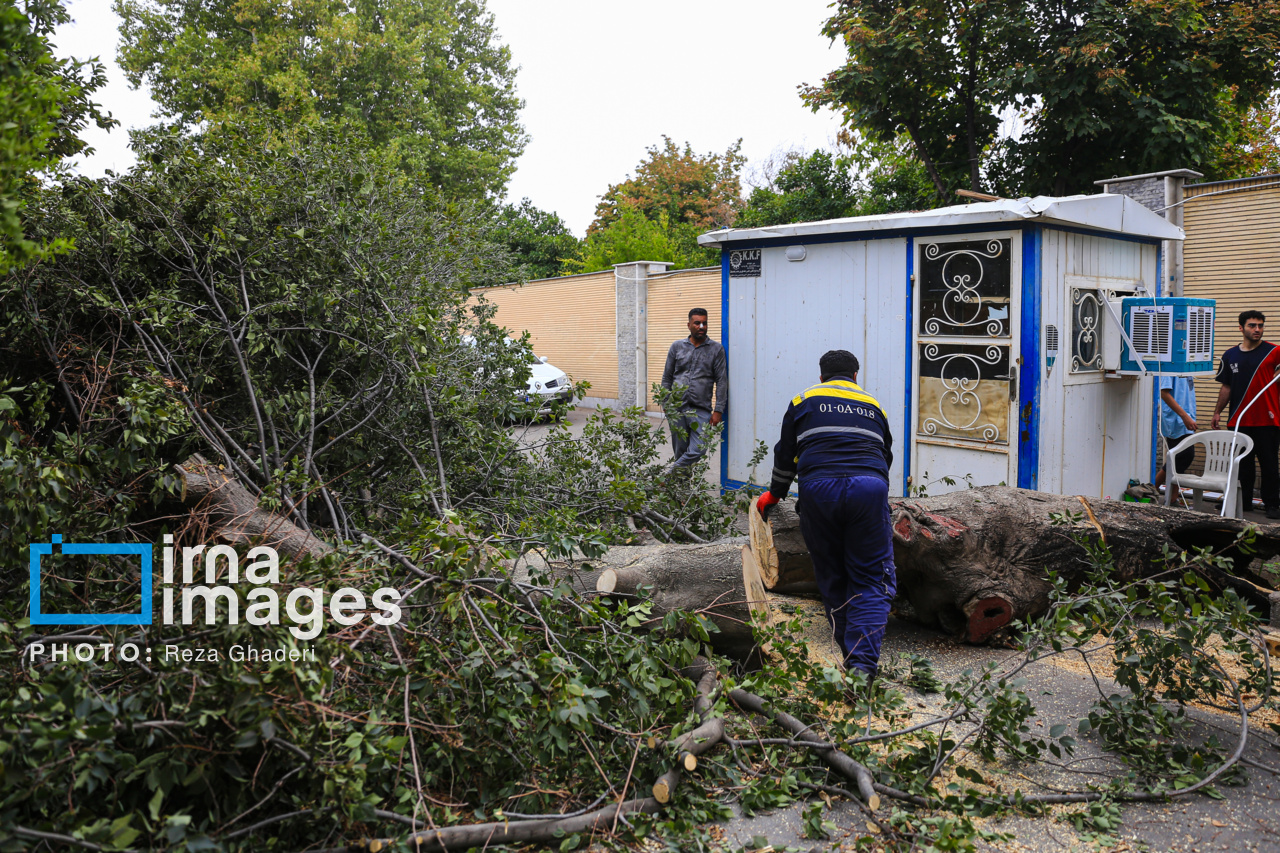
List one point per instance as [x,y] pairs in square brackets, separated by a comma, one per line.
[979,329]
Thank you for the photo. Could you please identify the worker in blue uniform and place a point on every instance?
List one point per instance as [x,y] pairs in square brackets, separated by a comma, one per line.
[836,438]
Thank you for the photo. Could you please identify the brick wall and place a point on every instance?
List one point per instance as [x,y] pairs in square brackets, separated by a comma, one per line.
[1148,192]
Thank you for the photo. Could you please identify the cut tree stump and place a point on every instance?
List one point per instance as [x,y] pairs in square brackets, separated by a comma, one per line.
[780,550]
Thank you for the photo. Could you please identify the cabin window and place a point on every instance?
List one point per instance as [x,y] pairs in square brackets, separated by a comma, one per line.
[1086,330]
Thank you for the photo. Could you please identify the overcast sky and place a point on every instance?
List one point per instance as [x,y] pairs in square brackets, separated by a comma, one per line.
[601,81]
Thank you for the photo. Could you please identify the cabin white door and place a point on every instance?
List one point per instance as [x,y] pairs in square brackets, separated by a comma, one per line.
[966,307]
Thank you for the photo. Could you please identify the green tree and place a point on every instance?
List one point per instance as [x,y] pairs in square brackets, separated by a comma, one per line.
[1253,145]
[1102,87]
[426,79]
[937,71]
[634,237]
[46,104]
[1126,88]
[539,241]
[825,186]
[299,302]
[806,189]
[892,180]
[700,191]
[657,214]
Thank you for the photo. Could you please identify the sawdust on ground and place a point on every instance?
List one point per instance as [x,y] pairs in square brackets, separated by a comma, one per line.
[823,651]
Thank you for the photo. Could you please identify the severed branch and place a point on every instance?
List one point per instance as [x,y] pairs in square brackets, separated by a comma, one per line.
[832,757]
[694,743]
[672,524]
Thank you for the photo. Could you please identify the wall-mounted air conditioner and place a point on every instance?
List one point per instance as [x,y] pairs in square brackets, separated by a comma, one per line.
[1166,334]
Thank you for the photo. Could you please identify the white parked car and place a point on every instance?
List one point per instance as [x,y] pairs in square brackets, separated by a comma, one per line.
[547,383]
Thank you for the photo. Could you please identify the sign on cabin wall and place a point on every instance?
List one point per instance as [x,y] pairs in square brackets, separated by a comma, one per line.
[744,263]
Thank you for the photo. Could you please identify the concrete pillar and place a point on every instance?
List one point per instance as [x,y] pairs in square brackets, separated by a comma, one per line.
[631,284]
[1161,192]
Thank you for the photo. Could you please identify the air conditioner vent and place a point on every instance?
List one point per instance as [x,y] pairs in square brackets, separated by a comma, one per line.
[1151,330]
[1199,334]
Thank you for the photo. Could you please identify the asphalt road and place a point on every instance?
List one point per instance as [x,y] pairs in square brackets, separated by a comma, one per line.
[530,434]
[1247,818]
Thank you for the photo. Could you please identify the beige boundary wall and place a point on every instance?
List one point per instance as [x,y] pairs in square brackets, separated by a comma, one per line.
[571,321]
[610,328]
[1232,254]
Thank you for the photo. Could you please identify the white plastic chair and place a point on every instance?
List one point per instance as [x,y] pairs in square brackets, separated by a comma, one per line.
[1221,468]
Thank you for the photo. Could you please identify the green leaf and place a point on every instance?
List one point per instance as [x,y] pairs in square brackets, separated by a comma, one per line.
[153,807]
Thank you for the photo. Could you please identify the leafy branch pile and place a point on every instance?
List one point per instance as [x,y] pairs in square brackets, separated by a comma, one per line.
[521,711]
[490,698]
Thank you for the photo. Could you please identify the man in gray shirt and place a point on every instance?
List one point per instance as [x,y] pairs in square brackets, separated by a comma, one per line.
[697,363]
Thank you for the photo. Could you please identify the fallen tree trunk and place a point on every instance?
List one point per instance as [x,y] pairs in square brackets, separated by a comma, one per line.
[230,514]
[708,579]
[970,562]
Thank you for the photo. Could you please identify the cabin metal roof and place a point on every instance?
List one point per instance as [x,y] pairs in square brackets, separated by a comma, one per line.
[1107,212]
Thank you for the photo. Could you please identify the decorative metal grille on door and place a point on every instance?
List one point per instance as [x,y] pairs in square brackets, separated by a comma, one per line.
[965,289]
[965,375]
[964,392]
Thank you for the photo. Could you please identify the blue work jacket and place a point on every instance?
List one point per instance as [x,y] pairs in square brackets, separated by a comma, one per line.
[832,430]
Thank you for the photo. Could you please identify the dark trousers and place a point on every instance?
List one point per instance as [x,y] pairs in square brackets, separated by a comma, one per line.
[845,523]
[1184,460]
[1266,445]
[689,448]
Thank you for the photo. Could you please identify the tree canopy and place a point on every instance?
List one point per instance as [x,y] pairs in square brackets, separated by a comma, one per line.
[805,189]
[47,103]
[539,241]
[1127,88]
[1253,145]
[632,237]
[872,179]
[1100,87]
[426,79]
[675,195]
[704,191]
[823,185]
[937,71]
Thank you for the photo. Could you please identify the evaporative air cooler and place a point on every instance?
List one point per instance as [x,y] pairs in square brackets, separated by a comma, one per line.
[1167,334]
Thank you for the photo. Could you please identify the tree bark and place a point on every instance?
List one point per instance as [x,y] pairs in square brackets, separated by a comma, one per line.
[232,515]
[705,578]
[970,562]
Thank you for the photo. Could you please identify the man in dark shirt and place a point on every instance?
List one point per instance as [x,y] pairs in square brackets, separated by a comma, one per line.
[836,438]
[1245,371]
[697,363]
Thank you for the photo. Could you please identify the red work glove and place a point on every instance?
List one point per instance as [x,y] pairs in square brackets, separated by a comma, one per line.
[765,503]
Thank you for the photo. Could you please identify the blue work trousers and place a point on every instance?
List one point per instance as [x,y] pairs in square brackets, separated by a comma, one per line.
[845,523]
